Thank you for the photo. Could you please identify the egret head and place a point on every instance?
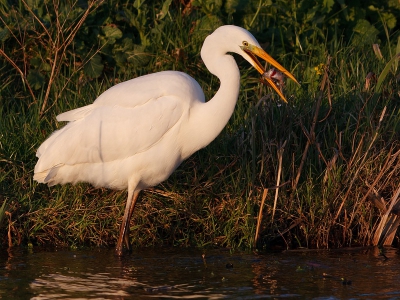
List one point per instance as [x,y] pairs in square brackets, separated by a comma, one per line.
[239,40]
[251,52]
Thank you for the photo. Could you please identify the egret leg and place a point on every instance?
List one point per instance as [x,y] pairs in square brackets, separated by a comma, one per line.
[131,209]
[124,229]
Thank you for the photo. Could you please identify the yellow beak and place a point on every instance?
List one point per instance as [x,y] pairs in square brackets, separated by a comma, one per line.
[253,52]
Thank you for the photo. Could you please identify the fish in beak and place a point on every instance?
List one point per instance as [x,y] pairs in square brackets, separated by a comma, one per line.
[272,76]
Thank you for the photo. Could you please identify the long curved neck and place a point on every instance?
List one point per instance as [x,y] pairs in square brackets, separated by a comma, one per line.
[219,109]
[208,119]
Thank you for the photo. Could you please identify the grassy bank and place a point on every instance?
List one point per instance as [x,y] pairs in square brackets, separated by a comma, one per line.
[319,161]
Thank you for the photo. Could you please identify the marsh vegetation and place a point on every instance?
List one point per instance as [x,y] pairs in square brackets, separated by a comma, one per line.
[325,166]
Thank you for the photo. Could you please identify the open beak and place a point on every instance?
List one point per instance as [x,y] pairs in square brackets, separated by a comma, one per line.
[253,52]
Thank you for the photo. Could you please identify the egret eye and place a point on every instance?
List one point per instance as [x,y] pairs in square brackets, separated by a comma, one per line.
[245,43]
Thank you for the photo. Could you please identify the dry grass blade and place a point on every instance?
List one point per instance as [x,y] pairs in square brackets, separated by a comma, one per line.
[330,166]
[259,219]
[24,79]
[389,223]
[377,51]
[278,178]
[60,43]
[391,158]
[355,175]
[369,79]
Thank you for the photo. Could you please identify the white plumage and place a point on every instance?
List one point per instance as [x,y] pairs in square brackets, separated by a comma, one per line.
[136,133]
[120,132]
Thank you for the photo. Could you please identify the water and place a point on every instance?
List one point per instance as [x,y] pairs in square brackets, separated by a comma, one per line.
[183,273]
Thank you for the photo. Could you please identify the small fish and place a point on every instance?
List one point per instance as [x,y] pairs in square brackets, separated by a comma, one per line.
[274,75]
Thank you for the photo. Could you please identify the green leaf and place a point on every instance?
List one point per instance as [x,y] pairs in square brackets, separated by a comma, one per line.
[45,67]
[385,71]
[205,26]
[4,34]
[2,211]
[389,19]
[35,79]
[231,5]
[209,6]
[138,3]
[397,51]
[36,62]
[39,64]
[164,10]
[112,33]
[394,4]
[138,56]
[94,67]
[33,4]
[365,33]
[121,58]
[328,4]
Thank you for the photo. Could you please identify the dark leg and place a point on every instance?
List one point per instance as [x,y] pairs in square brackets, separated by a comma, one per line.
[124,229]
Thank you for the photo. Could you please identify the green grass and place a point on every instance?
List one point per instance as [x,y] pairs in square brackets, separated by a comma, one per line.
[213,199]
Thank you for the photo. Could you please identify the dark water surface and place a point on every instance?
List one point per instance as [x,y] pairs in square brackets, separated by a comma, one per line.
[182,273]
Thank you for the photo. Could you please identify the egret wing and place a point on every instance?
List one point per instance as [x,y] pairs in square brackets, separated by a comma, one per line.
[109,133]
[138,91]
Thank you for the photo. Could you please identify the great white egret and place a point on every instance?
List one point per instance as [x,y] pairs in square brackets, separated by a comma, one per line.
[135,134]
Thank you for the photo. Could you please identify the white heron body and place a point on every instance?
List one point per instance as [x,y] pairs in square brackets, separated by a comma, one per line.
[136,133]
[132,132]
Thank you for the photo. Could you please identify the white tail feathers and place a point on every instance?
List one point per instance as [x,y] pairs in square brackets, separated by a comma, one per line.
[47,176]
[75,114]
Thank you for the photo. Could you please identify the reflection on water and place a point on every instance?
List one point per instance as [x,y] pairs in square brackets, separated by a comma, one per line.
[183,273]
[95,285]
